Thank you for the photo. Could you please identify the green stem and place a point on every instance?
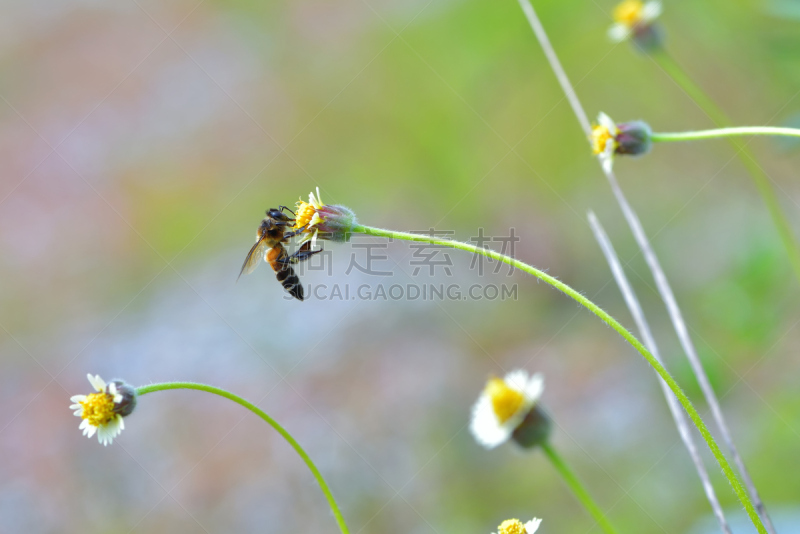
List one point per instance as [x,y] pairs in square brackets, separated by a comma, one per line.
[610,321]
[577,488]
[272,422]
[760,178]
[724,132]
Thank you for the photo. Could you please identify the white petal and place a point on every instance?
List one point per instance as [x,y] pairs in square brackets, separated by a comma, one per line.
[532,525]
[97,383]
[485,427]
[606,122]
[106,433]
[77,398]
[618,32]
[651,11]
[90,430]
[517,380]
[606,161]
[314,220]
[83,424]
[319,199]
[534,388]
[314,240]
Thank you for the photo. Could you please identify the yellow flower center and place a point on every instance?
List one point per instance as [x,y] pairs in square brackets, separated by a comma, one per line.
[600,137]
[305,212]
[98,408]
[505,400]
[511,526]
[629,13]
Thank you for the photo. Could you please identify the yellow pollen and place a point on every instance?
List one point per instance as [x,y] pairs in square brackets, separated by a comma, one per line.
[511,526]
[600,137]
[98,408]
[628,13]
[505,400]
[305,212]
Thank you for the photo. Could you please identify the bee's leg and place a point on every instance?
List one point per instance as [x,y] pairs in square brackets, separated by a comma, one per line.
[302,254]
[296,232]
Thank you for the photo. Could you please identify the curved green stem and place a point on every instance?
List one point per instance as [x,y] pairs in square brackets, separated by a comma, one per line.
[760,178]
[577,488]
[272,422]
[610,321]
[725,132]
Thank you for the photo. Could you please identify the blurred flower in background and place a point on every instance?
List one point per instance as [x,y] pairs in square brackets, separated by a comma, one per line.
[515,526]
[503,406]
[634,19]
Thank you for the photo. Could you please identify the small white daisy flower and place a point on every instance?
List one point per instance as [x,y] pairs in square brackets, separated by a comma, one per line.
[503,405]
[308,216]
[633,138]
[102,412]
[604,140]
[515,526]
[325,221]
[632,17]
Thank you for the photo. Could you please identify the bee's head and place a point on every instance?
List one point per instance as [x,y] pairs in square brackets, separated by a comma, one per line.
[278,215]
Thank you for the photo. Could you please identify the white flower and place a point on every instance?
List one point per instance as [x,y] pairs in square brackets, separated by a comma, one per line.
[100,411]
[308,217]
[631,16]
[503,405]
[315,219]
[515,526]
[604,140]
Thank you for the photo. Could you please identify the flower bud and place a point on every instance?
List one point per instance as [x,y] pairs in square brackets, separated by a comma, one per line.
[633,138]
[534,429]
[337,223]
[127,403]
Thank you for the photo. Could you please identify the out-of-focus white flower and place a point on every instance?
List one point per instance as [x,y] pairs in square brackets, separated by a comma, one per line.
[632,17]
[503,405]
[608,139]
[515,526]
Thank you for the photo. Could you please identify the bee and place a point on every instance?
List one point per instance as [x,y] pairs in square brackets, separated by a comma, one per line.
[272,234]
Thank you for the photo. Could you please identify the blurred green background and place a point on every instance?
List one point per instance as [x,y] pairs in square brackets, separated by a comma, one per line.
[141,142]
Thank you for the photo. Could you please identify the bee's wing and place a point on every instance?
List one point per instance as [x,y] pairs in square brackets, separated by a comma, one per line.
[254,257]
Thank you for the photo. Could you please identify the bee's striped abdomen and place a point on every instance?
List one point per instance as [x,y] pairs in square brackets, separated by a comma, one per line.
[278,260]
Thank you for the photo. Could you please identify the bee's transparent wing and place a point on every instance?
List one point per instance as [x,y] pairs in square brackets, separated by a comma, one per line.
[254,257]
